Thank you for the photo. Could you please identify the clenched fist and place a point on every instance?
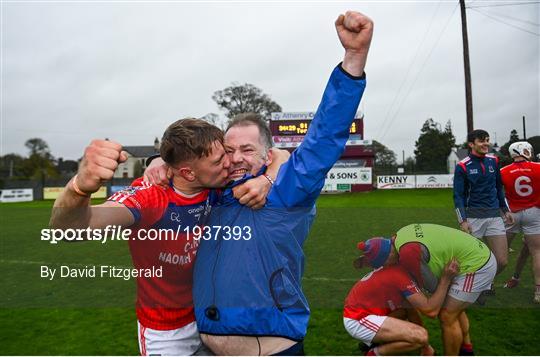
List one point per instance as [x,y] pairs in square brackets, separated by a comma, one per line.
[355,31]
[451,269]
[100,160]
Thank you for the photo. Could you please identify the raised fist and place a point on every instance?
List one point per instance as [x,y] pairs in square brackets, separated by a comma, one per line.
[355,31]
[100,160]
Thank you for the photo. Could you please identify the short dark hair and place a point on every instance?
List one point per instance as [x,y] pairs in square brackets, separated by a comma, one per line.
[247,119]
[477,134]
[188,139]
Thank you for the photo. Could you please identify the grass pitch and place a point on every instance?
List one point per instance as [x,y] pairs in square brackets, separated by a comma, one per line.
[96,316]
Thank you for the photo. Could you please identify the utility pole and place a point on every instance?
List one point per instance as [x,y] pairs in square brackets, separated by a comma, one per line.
[524,132]
[467,66]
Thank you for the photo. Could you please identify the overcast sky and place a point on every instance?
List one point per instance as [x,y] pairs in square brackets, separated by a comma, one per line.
[73,71]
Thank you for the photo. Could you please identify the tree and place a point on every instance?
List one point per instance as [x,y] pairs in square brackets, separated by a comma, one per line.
[40,163]
[214,119]
[11,165]
[535,142]
[433,146]
[245,98]
[384,157]
[39,147]
[504,155]
[409,164]
[513,138]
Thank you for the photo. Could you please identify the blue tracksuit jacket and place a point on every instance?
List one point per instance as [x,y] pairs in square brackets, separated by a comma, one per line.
[478,190]
[253,286]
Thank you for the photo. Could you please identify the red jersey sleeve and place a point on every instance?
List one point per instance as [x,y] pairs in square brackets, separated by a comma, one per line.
[410,258]
[405,283]
[146,202]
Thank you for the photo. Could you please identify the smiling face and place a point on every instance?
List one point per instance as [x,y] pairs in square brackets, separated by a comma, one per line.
[480,147]
[478,142]
[246,151]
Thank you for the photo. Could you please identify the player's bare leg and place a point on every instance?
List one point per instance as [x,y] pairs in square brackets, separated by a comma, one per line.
[520,264]
[466,346]
[533,242]
[509,239]
[499,246]
[450,324]
[464,324]
[396,336]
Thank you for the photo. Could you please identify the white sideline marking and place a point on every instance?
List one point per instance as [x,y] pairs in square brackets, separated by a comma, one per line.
[32,262]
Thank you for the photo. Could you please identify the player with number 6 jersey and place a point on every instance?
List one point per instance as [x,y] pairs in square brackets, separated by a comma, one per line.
[521,181]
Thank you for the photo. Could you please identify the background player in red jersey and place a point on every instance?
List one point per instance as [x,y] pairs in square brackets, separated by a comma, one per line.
[521,181]
[194,150]
[379,297]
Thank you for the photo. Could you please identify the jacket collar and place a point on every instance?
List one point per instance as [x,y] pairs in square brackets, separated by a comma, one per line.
[228,195]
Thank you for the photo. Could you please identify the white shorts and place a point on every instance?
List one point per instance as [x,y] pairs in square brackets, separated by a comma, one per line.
[527,221]
[364,329]
[487,227]
[467,287]
[182,341]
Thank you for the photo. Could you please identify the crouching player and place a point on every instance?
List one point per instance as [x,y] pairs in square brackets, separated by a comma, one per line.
[521,181]
[379,297]
[423,250]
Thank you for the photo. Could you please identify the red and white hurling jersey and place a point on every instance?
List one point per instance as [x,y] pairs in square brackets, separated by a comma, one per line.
[521,182]
[379,293]
[163,303]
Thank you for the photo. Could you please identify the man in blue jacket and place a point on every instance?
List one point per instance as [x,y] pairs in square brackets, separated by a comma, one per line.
[247,280]
[479,197]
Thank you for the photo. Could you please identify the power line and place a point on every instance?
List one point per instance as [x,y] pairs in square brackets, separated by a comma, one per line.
[497,5]
[514,18]
[506,23]
[421,69]
[408,71]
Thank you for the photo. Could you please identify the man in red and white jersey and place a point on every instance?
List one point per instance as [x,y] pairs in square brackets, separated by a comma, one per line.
[374,311]
[194,150]
[521,181]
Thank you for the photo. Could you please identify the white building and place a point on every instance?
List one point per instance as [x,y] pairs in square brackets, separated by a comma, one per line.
[456,155]
[135,164]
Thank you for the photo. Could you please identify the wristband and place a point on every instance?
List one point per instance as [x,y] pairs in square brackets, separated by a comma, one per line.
[76,188]
[269,179]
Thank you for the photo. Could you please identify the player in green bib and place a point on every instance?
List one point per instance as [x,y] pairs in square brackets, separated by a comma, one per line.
[423,250]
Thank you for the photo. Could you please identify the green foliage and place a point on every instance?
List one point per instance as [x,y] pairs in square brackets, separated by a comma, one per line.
[11,165]
[39,165]
[384,156]
[504,154]
[38,147]
[433,146]
[245,98]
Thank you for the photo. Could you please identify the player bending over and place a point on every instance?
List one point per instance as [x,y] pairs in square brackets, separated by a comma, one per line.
[380,295]
[423,250]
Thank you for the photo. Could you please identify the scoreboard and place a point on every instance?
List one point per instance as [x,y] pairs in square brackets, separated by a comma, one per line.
[300,127]
[288,131]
